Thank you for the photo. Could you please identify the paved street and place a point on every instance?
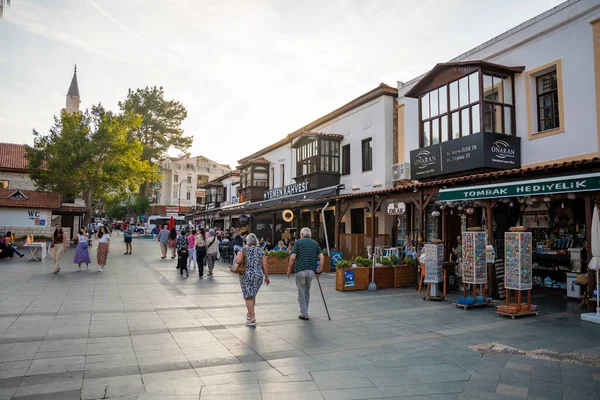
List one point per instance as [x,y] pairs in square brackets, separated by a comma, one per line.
[138,331]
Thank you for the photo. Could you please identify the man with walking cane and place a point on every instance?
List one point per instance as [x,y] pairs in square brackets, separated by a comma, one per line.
[304,254]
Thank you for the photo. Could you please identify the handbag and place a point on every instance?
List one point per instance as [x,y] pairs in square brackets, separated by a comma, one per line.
[240,268]
[84,246]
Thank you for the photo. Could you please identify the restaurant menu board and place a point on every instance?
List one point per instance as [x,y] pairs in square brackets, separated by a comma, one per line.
[474,266]
[434,263]
[517,252]
[498,291]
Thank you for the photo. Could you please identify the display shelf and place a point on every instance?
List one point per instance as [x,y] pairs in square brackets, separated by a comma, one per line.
[474,264]
[518,260]
[434,261]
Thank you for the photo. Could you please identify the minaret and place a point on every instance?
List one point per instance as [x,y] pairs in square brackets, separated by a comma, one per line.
[73,95]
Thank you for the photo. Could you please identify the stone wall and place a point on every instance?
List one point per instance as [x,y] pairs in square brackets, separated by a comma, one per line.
[36,232]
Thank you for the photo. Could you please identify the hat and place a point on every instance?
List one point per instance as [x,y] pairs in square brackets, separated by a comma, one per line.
[211,232]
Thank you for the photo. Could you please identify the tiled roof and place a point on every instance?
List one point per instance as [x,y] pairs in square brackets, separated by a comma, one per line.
[566,166]
[259,160]
[13,156]
[35,199]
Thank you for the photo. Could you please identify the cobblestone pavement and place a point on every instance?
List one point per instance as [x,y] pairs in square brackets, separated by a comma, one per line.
[139,331]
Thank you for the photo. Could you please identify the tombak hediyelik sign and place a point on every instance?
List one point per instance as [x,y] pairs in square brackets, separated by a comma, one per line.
[561,184]
[288,190]
[475,151]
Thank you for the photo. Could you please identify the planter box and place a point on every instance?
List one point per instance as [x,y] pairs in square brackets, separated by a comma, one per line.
[405,275]
[384,277]
[327,264]
[278,265]
[361,279]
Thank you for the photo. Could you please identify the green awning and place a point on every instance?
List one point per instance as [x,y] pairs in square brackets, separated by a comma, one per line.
[532,187]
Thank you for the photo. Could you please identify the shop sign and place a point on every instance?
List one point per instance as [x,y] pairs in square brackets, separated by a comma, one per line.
[243,219]
[211,206]
[36,216]
[535,187]
[480,150]
[288,190]
[200,193]
[396,208]
[348,278]
[172,209]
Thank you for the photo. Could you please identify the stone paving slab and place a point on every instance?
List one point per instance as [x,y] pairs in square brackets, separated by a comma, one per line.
[139,331]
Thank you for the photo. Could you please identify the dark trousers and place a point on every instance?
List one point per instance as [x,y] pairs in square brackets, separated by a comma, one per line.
[200,254]
[182,262]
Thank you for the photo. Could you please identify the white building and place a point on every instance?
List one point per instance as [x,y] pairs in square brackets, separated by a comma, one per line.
[343,152]
[182,183]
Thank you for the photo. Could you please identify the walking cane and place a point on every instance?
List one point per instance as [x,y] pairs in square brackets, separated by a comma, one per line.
[323,296]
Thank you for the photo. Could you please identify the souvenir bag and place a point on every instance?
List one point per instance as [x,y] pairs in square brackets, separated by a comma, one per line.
[240,268]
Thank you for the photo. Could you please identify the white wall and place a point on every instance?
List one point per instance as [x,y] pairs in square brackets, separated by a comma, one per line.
[573,44]
[17,180]
[282,155]
[371,120]
[24,217]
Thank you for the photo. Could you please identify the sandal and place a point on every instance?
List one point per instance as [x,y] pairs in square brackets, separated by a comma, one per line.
[251,322]
[303,317]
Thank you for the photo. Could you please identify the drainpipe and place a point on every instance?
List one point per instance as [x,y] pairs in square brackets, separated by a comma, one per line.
[325,228]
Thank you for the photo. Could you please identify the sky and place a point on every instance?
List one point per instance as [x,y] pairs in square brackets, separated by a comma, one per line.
[248,71]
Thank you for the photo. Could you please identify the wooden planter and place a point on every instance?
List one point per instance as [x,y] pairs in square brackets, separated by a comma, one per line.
[278,265]
[404,275]
[327,264]
[384,277]
[361,279]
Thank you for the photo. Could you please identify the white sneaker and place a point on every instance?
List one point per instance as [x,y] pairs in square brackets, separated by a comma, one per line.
[100,269]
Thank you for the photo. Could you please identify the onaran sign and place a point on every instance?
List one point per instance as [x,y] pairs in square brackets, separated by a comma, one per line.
[534,187]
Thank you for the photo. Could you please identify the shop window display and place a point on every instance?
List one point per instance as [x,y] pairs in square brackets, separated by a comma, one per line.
[518,263]
[474,267]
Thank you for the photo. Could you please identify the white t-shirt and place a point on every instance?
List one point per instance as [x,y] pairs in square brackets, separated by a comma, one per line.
[82,238]
[104,238]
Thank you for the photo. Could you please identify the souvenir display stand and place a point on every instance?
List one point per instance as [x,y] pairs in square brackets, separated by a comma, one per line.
[433,260]
[474,271]
[518,275]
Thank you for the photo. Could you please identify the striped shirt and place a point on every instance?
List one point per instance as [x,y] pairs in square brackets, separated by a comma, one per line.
[307,252]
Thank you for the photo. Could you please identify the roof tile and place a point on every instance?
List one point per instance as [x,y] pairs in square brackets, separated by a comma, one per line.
[35,199]
[13,156]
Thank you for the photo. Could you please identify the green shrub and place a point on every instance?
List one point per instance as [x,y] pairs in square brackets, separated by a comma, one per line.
[279,254]
[410,261]
[362,261]
[395,259]
[386,261]
[342,264]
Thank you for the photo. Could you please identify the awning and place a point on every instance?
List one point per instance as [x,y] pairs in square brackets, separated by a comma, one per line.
[533,187]
[283,201]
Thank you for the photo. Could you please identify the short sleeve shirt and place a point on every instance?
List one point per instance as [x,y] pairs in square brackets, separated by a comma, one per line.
[307,252]
[129,231]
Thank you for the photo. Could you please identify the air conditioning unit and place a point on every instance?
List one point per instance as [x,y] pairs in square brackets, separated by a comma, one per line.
[400,172]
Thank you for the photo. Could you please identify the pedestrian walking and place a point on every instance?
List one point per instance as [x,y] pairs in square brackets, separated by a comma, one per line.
[200,251]
[154,232]
[128,238]
[212,249]
[82,254]
[192,256]
[163,240]
[256,271]
[183,254]
[304,256]
[172,244]
[103,247]
[58,246]
[238,242]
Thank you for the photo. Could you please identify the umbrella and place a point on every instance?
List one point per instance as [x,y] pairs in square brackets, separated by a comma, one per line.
[594,265]
[171,223]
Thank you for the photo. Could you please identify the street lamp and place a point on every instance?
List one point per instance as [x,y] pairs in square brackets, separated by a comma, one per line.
[179,198]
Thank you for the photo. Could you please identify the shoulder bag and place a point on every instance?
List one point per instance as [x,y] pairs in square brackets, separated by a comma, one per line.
[240,268]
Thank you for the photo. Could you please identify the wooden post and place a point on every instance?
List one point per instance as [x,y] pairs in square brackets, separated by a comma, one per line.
[518,300]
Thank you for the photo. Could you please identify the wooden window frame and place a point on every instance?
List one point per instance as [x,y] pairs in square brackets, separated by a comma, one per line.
[531,89]
[315,154]
[367,162]
[346,160]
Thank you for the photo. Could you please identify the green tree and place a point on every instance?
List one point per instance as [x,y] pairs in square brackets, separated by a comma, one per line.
[91,156]
[160,128]
[141,204]
[3,3]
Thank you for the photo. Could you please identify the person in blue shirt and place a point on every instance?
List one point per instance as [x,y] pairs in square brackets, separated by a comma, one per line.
[280,246]
[128,235]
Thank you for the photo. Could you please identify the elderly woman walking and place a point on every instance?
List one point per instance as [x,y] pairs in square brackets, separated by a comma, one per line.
[251,280]
[212,249]
[58,246]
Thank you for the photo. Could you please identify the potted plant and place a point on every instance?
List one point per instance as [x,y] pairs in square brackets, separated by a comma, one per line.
[384,273]
[405,274]
[278,261]
[348,278]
